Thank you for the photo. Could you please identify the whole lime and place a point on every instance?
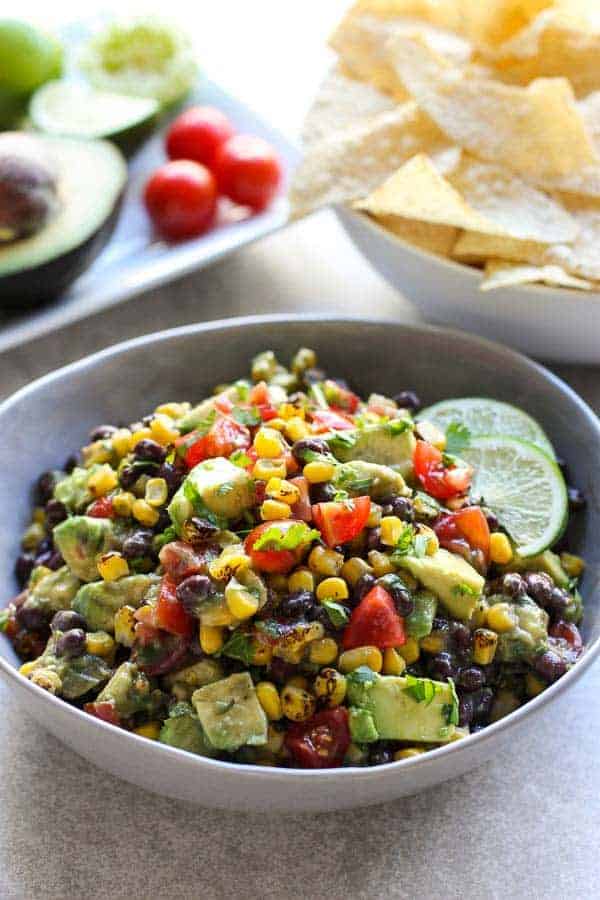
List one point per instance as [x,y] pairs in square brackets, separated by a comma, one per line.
[28,57]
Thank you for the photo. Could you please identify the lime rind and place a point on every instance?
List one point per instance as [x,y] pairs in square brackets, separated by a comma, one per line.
[523,486]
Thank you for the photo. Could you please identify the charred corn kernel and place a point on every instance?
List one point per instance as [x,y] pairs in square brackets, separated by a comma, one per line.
[98,452]
[318,471]
[27,668]
[374,516]
[573,565]
[274,509]
[262,652]
[391,530]
[289,411]
[268,697]
[410,651]
[479,615]
[240,602]
[100,643]
[407,753]
[361,656]
[299,681]
[501,552]
[432,434]
[232,559]
[297,704]
[323,652]
[296,429]
[124,624]
[39,515]
[301,580]
[47,679]
[112,566]
[285,491]
[501,618]
[393,663]
[265,469]
[304,359]
[380,563]
[211,639]
[162,430]
[123,503]
[275,739]
[534,685]
[484,646]
[102,481]
[433,643]
[121,441]
[325,562]
[172,410]
[314,632]
[32,535]
[140,434]
[330,686]
[150,730]
[144,513]
[267,443]
[354,568]
[332,589]
[156,491]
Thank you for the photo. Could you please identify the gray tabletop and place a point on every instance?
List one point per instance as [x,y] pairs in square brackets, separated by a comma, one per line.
[525,825]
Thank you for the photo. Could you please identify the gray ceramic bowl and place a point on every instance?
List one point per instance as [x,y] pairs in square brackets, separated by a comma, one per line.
[41,424]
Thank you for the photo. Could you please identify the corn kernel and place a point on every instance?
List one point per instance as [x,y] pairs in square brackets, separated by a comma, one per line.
[98,452]
[156,492]
[231,560]
[299,681]
[274,509]
[150,730]
[124,625]
[325,562]
[289,411]
[393,663]
[39,515]
[162,430]
[301,580]
[323,652]
[361,656]
[100,643]
[102,481]
[211,639]
[38,573]
[296,429]
[410,651]
[145,513]
[123,503]
[262,651]
[332,589]
[32,536]
[391,530]
[484,646]
[47,679]
[240,602]
[479,615]
[374,516]
[433,545]
[113,566]
[172,410]
[318,471]
[268,697]
[278,424]
[500,549]
[408,753]
[283,490]
[121,441]
[354,568]
[432,434]
[297,704]
[304,359]
[534,685]
[501,618]
[141,434]
[28,667]
[380,563]
[573,565]
[330,687]
[433,643]
[266,469]
[268,443]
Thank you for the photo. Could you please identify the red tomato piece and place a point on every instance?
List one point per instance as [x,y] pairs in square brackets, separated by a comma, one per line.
[374,623]
[341,520]
[101,509]
[439,481]
[180,560]
[224,404]
[302,509]
[330,420]
[225,436]
[181,199]
[260,398]
[469,523]
[197,134]
[278,561]
[169,613]
[104,710]
[320,742]
[248,171]
[339,397]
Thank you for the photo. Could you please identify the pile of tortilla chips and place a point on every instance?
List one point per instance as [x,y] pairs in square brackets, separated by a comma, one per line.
[469,129]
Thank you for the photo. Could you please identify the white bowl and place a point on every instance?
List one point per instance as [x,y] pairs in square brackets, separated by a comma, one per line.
[554,324]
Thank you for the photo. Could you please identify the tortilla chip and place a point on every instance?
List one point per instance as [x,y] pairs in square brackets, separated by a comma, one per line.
[437,239]
[499,274]
[472,247]
[474,196]
[442,13]
[538,131]
[492,22]
[349,165]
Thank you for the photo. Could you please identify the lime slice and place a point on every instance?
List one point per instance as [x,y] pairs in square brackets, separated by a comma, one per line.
[522,486]
[484,416]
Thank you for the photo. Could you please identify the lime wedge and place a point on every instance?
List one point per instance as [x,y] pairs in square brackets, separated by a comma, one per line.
[484,416]
[522,486]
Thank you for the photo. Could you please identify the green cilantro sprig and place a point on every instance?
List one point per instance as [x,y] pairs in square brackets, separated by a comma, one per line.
[275,538]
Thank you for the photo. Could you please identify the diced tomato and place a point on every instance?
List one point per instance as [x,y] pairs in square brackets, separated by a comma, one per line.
[291,463]
[104,710]
[331,420]
[157,652]
[439,481]
[181,560]
[223,403]
[568,632]
[320,742]
[339,521]
[260,398]
[278,561]
[225,436]
[374,623]
[340,397]
[169,613]
[101,509]
[302,509]
[469,523]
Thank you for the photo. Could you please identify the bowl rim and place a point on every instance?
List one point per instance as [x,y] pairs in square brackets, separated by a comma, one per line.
[547,291]
[425,760]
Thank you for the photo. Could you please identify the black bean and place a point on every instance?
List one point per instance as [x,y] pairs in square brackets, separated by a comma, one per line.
[128,475]
[362,587]
[482,703]
[440,624]
[31,618]
[23,566]
[442,667]
[52,559]
[192,591]
[373,539]
[319,614]
[402,598]
[44,488]
[56,512]
[402,507]
[172,474]
[550,665]
[559,600]
[465,711]
[297,605]
[471,679]
[513,585]
[380,754]
[66,619]
[140,543]
[102,432]
[198,529]
[280,670]
[307,446]
[492,519]
[163,522]
[322,493]
[149,451]
[576,498]
[461,635]
[70,463]
[71,643]
[540,587]
[407,400]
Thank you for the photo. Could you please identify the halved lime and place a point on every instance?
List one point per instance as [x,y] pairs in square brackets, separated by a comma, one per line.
[482,415]
[523,487]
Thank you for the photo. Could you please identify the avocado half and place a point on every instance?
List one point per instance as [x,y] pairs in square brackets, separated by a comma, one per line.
[90,177]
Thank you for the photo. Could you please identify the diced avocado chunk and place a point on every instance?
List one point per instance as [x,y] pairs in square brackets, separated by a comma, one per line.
[183,730]
[131,691]
[377,444]
[53,592]
[186,681]
[361,478]
[450,578]
[230,713]
[530,635]
[362,725]
[77,675]
[215,486]
[98,601]
[403,708]
[420,622]
[72,490]
[81,540]
[547,562]
[201,414]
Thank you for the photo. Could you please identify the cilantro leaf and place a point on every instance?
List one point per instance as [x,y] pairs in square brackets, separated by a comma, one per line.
[191,493]
[249,417]
[168,535]
[423,690]
[343,440]
[338,614]
[239,458]
[275,538]
[239,646]
[464,590]
[399,426]
[410,543]
[451,710]
[458,437]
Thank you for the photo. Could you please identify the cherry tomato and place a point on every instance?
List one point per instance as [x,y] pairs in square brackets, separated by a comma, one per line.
[104,710]
[341,398]
[197,134]
[374,623]
[181,199]
[331,420]
[225,436]
[439,481]
[101,509]
[277,561]
[248,171]
[169,613]
[260,398]
[469,523]
[320,742]
[180,560]
[341,520]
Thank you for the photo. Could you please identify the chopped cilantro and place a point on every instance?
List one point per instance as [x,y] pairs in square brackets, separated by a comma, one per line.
[338,614]
[275,538]
[243,390]
[241,459]
[410,543]
[399,426]
[192,494]
[464,590]
[451,710]
[343,440]
[458,437]
[423,690]
[168,535]
[239,646]
[425,505]
[249,417]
